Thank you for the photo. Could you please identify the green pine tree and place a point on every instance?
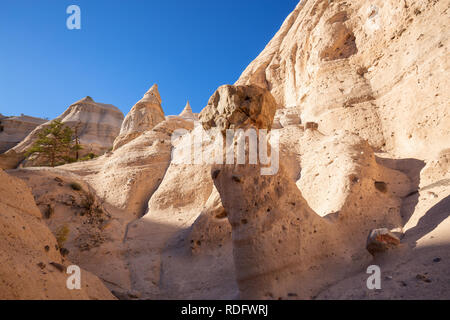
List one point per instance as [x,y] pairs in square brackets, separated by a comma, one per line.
[54,144]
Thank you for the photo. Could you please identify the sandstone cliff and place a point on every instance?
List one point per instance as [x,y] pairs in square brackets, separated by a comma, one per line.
[14,129]
[378,69]
[31,266]
[97,125]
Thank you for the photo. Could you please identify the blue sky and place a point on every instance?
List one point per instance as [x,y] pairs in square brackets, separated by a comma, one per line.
[188,47]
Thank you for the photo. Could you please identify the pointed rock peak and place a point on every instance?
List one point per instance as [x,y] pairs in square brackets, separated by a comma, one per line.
[153,93]
[187,109]
[187,112]
[87,99]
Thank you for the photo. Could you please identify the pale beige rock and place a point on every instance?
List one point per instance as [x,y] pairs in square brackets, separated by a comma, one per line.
[28,250]
[206,245]
[129,176]
[366,68]
[14,129]
[347,78]
[187,113]
[233,107]
[426,241]
[97,124]
[280,244]
[289,117]
[349,64]
[211,229]
[120,184]
[163,261]
[95,229]
[144,116]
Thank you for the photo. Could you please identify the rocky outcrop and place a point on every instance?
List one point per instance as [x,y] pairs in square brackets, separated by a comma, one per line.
[127,177]
[233,107]
[31,266]
[358,63]
[144,116]
[187,113]
[96,124]
[14,129]
[338,88]
[282,248]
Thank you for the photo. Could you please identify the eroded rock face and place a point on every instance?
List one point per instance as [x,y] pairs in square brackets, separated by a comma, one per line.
[330,169]
[211,230]
[282,248]
[356,63]
[31,266]
[144,116]
[97,125]
[346,81]
[187,113]
[233,107]
[128,177]
[278,241]
[15,129]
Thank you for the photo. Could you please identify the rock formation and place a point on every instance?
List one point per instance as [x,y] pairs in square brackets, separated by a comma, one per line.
[281,246]
[360,62]
[14,129]
[97,125]
[31,266]
[353,97]
[187,113]
[128,177]
[144,116]
[232,107]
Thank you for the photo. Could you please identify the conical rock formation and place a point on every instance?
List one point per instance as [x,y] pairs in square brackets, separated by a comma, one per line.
[187,113]
[144,116]
[97,125]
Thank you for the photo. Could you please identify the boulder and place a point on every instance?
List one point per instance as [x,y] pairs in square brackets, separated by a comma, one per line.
[234,107]
[381,240]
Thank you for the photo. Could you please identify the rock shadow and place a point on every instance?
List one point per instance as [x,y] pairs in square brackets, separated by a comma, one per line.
[412,168]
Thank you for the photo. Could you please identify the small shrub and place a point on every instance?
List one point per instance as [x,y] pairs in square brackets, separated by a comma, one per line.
[89,156]
[76,186]
[71,160]
[61,235]
[88,203]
